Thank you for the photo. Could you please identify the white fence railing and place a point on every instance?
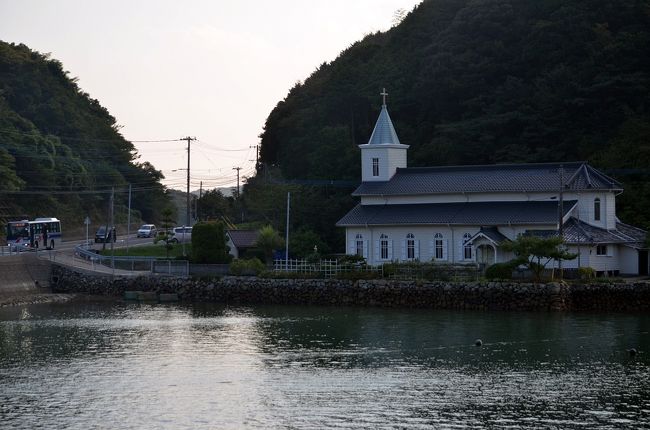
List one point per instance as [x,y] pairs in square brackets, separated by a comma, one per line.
[327,268]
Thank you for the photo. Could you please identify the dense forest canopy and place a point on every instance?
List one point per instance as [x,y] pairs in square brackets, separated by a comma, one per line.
[60,151]
[484,81]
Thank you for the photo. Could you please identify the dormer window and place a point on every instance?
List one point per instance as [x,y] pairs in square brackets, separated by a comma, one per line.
[375,167]
[597,209]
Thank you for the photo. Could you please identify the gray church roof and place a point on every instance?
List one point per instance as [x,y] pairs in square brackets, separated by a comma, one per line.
[576,231]
[541,177]
[492,233]
[384,132]
[472,213]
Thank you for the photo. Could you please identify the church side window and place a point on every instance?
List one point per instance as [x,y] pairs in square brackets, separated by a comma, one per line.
[383,246]
[410,246]
[467,247]
[375,167]
[597,209]
[438,245]
[359,245]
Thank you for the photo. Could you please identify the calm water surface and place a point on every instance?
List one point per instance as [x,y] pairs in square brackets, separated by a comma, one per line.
[132,366]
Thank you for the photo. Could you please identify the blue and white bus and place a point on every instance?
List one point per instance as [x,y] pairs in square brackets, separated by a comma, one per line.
[39,233]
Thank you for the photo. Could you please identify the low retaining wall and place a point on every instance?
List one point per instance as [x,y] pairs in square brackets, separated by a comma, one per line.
[24,273]
[441,295]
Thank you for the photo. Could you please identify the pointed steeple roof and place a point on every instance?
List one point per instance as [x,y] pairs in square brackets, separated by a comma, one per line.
[384,132]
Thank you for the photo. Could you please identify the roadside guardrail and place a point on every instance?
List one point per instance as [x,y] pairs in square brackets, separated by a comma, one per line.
[133,264]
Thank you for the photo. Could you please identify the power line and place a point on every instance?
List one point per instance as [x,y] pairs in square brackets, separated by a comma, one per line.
[84,139]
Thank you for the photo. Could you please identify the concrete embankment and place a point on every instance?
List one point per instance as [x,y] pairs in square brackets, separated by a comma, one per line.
[23,274]
[434,295]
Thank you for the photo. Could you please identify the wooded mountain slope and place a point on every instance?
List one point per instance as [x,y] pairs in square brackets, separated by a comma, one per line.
[484,81]
[60,151]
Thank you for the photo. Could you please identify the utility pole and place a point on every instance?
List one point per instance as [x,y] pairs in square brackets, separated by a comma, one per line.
[110,230]
[286,240]
[197,202]
[187,203]
[237,169]
[257,156]
[560,211]
[128,222]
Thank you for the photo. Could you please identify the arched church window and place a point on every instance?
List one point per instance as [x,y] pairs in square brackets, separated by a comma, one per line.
[597,209]
[359,245]
[439,246]
[383,245]
[410,246]
[375,167]
[467,247]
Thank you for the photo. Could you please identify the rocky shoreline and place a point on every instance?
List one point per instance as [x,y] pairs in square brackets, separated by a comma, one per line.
[36,298]
[388,293]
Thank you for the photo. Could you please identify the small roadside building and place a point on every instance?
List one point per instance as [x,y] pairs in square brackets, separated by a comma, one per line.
[241,241]
[463,214]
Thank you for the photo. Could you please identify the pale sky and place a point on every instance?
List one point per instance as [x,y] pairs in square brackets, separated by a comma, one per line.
[209,69]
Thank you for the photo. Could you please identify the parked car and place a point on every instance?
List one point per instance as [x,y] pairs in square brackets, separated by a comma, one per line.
[147,230]
[102,235]
[181,234]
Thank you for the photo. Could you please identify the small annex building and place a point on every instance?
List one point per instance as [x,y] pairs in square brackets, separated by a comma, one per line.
[463,214]
[240,241]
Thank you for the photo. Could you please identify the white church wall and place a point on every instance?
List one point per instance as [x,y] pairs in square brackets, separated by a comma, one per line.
[586,212]
[604,262]
[610,211]
[390,158]
[425,236]
[629,260]
[456,198]
[479,197]
[619,258]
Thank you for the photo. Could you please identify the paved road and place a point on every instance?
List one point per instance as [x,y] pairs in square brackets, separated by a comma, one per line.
[65,254]
[120,243]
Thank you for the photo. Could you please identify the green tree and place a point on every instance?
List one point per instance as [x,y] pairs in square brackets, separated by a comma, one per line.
[167,224]
[268,241]
[302,243]
[209,243]
[213,205]
[536,252]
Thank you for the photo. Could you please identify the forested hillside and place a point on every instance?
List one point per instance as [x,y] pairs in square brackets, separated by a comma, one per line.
[60,151]
[484,81]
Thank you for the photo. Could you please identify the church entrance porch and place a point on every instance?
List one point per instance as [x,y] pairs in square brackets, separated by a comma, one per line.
[485,255]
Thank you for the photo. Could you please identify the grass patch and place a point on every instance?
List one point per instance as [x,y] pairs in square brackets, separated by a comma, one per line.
[151,251]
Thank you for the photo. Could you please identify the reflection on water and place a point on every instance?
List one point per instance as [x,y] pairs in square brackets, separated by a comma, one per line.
[86,366]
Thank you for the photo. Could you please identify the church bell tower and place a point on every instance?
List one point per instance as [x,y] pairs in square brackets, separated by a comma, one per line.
[383,153]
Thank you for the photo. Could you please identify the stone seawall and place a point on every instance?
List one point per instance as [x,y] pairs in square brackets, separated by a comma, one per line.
[440,295]
[23,274]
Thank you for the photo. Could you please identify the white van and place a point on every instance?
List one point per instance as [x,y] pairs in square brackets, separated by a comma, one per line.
[181,234]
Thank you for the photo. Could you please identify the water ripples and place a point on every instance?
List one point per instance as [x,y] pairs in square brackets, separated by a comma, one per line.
[130,367]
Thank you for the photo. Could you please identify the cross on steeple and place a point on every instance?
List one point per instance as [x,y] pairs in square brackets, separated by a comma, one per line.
[383,94]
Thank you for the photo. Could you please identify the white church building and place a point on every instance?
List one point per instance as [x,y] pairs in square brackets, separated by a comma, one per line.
[463,214]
